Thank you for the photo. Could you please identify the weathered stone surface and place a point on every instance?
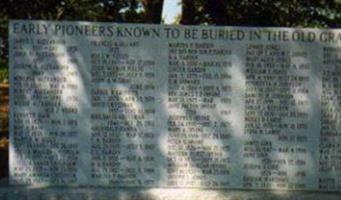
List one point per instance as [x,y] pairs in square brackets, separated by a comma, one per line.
[23,193]
[151,106]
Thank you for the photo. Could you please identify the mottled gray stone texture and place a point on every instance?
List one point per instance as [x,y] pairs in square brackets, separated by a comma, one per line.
[101,193]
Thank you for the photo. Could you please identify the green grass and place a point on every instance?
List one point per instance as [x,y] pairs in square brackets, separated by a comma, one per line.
[4,74]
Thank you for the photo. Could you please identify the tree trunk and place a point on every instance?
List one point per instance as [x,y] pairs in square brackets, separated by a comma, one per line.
[188,12]
[153,11]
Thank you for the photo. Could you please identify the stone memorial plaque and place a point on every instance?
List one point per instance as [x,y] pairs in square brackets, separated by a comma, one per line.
[136,105]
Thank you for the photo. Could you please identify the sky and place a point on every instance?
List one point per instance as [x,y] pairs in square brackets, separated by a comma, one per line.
[170,10]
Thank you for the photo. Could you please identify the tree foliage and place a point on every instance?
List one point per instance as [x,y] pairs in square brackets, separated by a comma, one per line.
[289,13]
